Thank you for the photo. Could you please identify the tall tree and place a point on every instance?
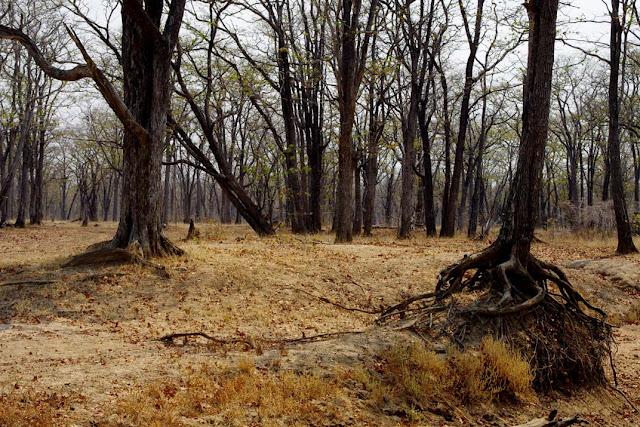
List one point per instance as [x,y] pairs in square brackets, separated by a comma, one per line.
[623,226]
[473,39]
[352,55]
[147,48]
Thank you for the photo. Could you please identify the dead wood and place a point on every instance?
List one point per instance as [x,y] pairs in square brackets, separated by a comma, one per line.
[254,343]
[99,276]
[552,420]
[337,304]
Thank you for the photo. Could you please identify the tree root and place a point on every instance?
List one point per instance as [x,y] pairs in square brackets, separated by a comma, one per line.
[529,303]
[254,343]
[337,304]
[105,253]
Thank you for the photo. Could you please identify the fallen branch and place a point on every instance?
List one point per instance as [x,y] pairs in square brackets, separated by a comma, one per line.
[99,276]
[553,421]
[255,343]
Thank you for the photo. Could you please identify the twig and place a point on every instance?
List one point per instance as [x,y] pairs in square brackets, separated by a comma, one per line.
[100,276]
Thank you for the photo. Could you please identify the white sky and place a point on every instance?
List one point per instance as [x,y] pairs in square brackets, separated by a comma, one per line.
[571,13]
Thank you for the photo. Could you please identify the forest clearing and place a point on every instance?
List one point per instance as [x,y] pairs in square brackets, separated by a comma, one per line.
[319,213]
[85,347]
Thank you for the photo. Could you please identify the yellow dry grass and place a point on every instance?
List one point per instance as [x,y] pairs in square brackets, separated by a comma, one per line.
[416,379]
[242,397]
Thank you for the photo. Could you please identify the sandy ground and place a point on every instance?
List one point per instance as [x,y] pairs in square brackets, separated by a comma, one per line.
[91,335]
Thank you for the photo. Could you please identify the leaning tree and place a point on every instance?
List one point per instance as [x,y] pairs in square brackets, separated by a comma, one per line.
[147,48]
[527,301]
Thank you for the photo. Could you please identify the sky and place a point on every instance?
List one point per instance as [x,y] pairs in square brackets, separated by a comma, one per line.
[571,13]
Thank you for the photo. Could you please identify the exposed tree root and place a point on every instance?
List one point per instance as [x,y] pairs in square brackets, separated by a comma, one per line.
[529,303]
[253,343]
[105,253]
[337,304]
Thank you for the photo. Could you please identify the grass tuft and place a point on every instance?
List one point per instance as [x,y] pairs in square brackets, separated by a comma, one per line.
[414,378]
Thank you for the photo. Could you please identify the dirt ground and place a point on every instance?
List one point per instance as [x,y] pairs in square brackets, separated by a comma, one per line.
[89,336]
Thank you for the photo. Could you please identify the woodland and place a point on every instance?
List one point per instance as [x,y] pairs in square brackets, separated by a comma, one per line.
[319,212]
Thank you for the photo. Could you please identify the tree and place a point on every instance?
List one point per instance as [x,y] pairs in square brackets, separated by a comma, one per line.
[351,61]
[147,49]
[416,33]
[473,39]
[517,282]
[623,226]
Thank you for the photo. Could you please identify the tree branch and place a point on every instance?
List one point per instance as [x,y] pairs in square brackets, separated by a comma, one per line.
[76,73]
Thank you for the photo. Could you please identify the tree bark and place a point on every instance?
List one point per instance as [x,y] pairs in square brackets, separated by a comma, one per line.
[146,75]
[527,185]
[623,226]
[350,69]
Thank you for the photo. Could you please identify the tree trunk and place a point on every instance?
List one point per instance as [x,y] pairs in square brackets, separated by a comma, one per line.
[535,117]
[474,208]
[623,226]
[427,177]
[449,215]
[23,196]
[388,205]
[37,214]
[409,159]
[357,200]
[166,198]
[371,175]
[146,76]
[294,185]
[350,71]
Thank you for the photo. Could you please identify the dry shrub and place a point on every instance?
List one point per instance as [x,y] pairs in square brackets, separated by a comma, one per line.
[241,397]
[415,378]
[593,221]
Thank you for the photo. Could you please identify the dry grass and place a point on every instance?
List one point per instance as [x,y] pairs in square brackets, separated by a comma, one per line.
[31,408]
[415,379]
[241,397]
[631,316]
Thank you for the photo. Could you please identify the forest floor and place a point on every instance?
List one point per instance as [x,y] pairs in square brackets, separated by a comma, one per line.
[80,346]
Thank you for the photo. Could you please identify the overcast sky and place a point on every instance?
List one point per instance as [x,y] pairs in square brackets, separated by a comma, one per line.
[571,12]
